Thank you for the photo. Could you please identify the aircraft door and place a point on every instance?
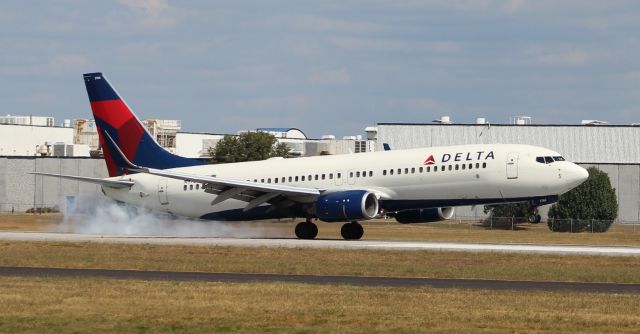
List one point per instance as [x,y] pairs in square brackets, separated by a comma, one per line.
[338,178]
[351,176]
[162,191]
[512,165]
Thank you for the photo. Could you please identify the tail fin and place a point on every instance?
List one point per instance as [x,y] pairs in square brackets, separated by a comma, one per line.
[113,116]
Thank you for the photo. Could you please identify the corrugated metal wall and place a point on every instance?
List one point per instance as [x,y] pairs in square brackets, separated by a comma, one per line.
[586,144]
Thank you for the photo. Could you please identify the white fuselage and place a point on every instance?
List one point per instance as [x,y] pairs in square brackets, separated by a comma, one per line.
[402,179]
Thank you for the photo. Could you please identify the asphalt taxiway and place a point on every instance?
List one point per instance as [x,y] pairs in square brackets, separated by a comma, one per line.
[327,244]
[314,279]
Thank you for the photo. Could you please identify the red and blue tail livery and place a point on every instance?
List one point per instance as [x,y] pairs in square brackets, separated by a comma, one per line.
[114,117]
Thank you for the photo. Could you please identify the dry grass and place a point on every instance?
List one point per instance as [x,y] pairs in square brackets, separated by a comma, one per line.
[322,262]
[451,231]
[104,306]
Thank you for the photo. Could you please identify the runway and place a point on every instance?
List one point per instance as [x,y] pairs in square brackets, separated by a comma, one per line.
[328,244]
[312,279]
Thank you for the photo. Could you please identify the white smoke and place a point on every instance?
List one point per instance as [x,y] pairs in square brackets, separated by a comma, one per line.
[97,215]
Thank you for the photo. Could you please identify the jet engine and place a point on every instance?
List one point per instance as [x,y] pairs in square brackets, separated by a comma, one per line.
[429,215]
[352,205]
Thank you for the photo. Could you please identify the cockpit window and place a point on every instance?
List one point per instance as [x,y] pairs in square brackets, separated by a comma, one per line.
[558,158]
[540,159]
[548,160]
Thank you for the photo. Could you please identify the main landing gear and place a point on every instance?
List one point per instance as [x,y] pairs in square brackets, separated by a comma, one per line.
[306,230]
[352,231]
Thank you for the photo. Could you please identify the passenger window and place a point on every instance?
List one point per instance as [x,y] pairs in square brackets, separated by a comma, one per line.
[384,172]
[421,169]
[391,171]
[283,179]
[197,186]
[477,165]
[350,174]
[255,180]
[290,179]
[330,176]
[358,174]
[310,178]
[370,173]
[450,167]
[406,170]
[261,180]
[548,160]
[399,171]
[302,178]
[316,177]
[457,167]
[364,173]
[484,165]
[275,180]
[435,168]
[323,176]
[540,159]
[464,166]
[339,175]
[269,180]
[296,179]
[185,187]
[470,166]
[413,170]
[191,187]
[428,169]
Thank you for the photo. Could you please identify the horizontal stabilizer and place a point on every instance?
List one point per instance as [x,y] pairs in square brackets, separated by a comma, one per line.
[95,180]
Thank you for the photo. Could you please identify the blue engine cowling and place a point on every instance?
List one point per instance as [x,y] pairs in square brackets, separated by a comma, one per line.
[429,215]
[349,205]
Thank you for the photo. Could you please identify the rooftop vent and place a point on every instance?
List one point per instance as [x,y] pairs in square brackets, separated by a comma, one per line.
[443,120]
[593,122]
[520,120]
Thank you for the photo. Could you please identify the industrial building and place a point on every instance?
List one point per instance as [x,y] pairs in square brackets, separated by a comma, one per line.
[65,149]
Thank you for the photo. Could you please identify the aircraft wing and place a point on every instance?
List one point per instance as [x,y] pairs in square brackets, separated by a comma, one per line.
[102,182]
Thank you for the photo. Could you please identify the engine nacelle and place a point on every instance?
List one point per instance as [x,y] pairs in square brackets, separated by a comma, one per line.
[347,206]
[429,215]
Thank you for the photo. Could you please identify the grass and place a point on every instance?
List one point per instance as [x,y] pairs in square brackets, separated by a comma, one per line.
[322,262]
[33,305]
[448,231]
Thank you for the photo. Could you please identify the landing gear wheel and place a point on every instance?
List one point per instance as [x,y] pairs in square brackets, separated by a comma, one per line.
[306,230]
[352,231]
[535,219]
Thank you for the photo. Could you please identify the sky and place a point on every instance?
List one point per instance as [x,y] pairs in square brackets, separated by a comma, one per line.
[326,67]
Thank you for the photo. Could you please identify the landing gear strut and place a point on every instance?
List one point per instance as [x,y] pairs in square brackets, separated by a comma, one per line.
[352,231]
[306,230]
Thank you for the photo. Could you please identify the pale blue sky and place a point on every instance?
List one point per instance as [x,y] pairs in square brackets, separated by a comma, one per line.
[326,67]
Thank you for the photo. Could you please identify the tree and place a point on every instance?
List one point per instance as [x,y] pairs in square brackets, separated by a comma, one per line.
[518,210]
[590,206]
[248,146]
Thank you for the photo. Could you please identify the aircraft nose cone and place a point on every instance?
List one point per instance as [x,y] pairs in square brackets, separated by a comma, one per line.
[578,175]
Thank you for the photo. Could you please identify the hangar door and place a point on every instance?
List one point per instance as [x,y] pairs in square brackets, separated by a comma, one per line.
[512,165]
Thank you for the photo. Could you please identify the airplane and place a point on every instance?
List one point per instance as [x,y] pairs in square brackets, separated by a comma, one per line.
[413,185]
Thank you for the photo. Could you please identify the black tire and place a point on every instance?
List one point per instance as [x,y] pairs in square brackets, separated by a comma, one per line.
[352,231]
[306,230]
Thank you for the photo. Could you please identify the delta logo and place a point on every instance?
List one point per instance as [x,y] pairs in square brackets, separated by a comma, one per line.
[430,160]
[460,156]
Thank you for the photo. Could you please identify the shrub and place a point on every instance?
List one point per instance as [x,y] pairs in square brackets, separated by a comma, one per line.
[592,206]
